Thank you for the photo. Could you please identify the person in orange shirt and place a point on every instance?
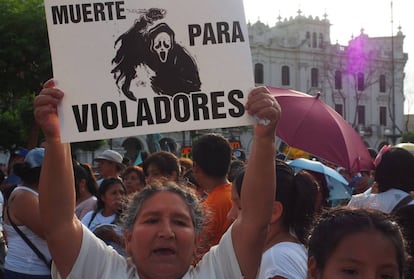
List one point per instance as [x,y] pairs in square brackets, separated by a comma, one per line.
[211,160]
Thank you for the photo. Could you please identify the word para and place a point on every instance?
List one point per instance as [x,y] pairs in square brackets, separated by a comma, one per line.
[222,33]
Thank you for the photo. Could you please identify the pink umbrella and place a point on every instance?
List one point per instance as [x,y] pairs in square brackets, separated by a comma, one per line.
[311,125]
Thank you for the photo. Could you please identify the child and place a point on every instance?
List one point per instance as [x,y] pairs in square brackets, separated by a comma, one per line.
[355,243]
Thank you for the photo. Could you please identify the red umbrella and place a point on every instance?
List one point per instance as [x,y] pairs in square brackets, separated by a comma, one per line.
[311,125]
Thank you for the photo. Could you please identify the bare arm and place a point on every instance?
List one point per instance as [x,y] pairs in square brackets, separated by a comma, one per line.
[56,189]
[259,185]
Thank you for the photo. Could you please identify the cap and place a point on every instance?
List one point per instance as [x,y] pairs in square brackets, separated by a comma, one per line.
[21,152]
[35,157]
[110,155]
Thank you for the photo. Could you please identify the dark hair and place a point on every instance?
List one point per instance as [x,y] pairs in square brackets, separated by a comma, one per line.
[395,170]
[138,170]
[333,225]
[27,174]
[323,188]
[166,162]
[83,171]
[297,193]
[212,153]
[236,166]
[104,187]
[2,176]
[404,217]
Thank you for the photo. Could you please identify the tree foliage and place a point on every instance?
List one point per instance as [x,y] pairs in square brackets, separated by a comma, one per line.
[408,137]
[24,65]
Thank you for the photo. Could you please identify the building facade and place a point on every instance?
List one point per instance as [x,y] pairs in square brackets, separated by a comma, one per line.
[363,81]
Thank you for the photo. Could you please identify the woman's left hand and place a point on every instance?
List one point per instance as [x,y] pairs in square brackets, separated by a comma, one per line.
[266,109]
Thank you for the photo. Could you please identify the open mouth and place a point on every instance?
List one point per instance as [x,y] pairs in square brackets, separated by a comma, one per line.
[164,252]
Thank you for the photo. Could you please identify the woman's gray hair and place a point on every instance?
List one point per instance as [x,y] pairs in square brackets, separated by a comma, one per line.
[189,196]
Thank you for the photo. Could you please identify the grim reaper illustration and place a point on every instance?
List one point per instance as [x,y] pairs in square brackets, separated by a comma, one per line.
[175,71]
[133,50]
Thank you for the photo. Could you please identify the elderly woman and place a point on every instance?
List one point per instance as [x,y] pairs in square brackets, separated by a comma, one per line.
[161,234]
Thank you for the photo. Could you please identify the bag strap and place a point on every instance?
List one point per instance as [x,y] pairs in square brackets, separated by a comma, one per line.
[27,240]
[402,203]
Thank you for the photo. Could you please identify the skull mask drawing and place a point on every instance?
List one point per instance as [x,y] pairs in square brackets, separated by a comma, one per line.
[162,45]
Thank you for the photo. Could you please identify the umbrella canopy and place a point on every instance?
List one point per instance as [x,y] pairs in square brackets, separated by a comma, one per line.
[311,125]
[337,184]
[407,146]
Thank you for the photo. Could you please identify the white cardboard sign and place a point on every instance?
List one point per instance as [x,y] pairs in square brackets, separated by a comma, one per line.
[150,66]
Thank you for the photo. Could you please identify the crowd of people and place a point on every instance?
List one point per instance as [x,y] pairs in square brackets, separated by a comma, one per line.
[216,215]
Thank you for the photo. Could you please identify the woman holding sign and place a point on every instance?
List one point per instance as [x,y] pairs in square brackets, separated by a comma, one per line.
[162,221]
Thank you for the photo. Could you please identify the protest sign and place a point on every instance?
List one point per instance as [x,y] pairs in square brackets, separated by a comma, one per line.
[142,67]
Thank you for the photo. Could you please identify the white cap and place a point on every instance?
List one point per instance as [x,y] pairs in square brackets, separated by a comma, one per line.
[110,155]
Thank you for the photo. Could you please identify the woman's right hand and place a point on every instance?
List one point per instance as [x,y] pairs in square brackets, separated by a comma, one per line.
[45,110]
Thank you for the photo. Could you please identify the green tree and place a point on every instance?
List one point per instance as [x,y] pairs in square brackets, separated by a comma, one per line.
[407,137]
[24,65]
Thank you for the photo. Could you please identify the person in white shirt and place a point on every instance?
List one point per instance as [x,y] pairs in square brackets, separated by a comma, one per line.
[294,207]
[161,236]
[394,177]
[22,214]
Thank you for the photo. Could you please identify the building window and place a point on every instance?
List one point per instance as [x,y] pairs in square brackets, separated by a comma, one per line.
[382,84]
[338,80]
[308,38]
[383,116]
[314,77]
[361,114]
[314,40]
[285,75]
[360,82]
[320,40]
[339,109]
[258,73]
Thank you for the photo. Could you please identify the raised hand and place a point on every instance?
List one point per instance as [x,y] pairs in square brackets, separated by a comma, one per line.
[264,106]
[45,110]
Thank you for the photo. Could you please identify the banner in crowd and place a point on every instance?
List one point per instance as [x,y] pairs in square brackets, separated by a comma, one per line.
[142,67]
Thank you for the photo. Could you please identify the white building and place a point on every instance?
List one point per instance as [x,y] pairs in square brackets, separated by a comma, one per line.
[359,80]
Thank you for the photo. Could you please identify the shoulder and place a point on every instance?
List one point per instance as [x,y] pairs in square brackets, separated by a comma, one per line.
[219,262]
[87,217]
[286,259]
[357,199]
[95,256]
[287,249]
[220,192]
[23,190]
[23,196]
